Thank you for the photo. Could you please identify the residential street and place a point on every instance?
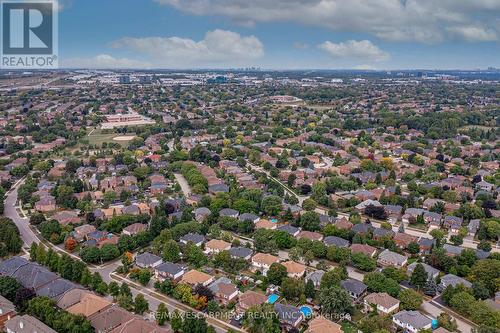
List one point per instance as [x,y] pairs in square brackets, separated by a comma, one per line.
[106,270]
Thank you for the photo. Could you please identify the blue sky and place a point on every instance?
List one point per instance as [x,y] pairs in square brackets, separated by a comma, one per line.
[280,34]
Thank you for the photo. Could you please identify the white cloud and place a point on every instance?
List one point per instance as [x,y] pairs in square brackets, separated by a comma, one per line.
[426,21]
[218,47]
[104,61]
[363,49]
[474,33]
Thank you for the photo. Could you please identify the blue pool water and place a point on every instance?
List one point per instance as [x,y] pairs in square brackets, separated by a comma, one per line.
[272,298]
[306,311]
[274,220]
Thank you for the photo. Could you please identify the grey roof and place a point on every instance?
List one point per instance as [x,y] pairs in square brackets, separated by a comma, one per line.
[288,229]
[27,324]
[381,232]
[431,271]
[325,219]
[287,313]
[336,241]
[240,252]
[392,257]
[315,276]
[427,242]
[147,259]
[473,225]
[56,288]
[10,266]
[354,286]
[219,188]
[214,286]
[169,268]
[6,306]
[248,216]
[228,212]
[34,276]
[362,228]
[413,318]
[451,279]
[480,254]
[452,249]
[192,237]
[202,211]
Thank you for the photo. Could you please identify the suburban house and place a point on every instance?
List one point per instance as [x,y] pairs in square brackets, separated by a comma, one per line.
[26,324]
[365,249]
[240,253]
[289,316]
[168,270]
[263,261]
[7,311]
[194,277]
[322,325]
[196,239]
[315,277]
[384,302]
[249,299]
[411,321]
[215,246]
[294,269]
[147,260]
[134,229]
[432,273]
[355,288]
[224,290]
[389,258]
[201,213]
[453,280]
[336,241]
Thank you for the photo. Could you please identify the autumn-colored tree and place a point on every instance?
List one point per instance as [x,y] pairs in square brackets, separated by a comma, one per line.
[70,244]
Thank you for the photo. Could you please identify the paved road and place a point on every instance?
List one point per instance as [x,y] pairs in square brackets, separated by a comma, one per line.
[27,235]
[106,270]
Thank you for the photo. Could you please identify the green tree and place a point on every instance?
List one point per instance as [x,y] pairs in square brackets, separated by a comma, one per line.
[410,300]
[261,319]
[418,277]
[334,300]
[276,273]
[333,277]
[161,314]
[140,304]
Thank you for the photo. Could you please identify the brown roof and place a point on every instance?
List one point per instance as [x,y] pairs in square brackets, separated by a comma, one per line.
[265,224]
[109,319]
[363,248]
[293,267]
[88,305]
[251,298]
[310,235]
[139,325]
[72,297]
[217,244]
[402,238]
[383,299]
[135,228]
[343,223]
[265,258]
[194,277]
[323,325]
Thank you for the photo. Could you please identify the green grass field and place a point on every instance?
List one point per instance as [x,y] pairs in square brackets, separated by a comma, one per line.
[97,137]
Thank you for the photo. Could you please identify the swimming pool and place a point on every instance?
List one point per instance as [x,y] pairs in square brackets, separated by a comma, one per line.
[274,220]
[306,311]
[272,298]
